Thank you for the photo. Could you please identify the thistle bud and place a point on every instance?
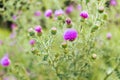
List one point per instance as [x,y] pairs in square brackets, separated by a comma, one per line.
[94,27]
[31,32]
[94,56]
[105,17]
[53,30]
[68,23]
[84,14]
[101,9]
[60,17]
[64,44]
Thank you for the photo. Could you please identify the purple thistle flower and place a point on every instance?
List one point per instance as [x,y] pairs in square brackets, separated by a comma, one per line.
[113,2]
[13,26]
[5,61]
[79,7]
[109,35]
[38,29]
[58,12]
[48,13]
[84,14]
[14,17]
[37,13]
[68,21]
[70,34]
[69,9]
[32,42]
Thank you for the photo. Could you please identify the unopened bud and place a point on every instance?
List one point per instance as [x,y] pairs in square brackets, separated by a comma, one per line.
[94,27]
[31,32]
[53,30]
[68,21]
[101,9]
[64,45]
[94,56]
[105,17]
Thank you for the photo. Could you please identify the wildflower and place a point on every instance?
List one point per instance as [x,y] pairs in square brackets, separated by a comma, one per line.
[14,17]
[84,14]
[13,26]
[68,21]
[32,42]
[113,2]
[38,29]
[79,7]
[69,9]
[94,56]
[5,61]
[37,13]
[58,12]
[70,34]
[109,35]
[31,32]
[48,13]
[64,44]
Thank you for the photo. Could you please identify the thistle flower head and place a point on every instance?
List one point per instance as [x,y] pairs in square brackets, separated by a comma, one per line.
[58,12]
[53,30]
[14,17]
[84,14]
[32,42]
[109,35]
[38,29]
[37,13]
[48,13]
[70,34]
[113,2]
[79,7]
[13,26]
[5,61]
[69,9]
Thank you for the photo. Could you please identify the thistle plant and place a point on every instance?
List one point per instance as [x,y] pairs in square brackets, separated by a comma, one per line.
[60,40]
